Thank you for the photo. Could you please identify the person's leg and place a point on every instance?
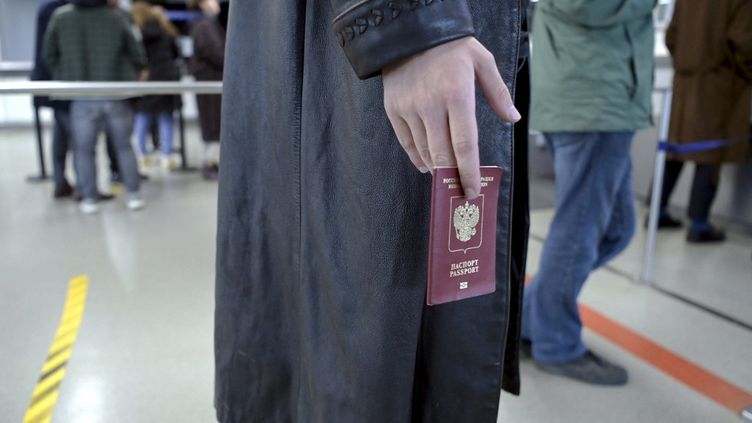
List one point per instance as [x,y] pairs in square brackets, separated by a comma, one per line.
[141,127]
[112,156]
[704,189]
[60,147]
[85,121]
[670,177]
[210,170]
[590,170]
[155,141]
[621,227]
[120,125]
[166,125]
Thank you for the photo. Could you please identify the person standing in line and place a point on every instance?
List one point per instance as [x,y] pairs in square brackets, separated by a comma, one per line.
[61,109]
[207,64]
[711,46]
[162,54]
[90,40]
[592,80]
[60,133]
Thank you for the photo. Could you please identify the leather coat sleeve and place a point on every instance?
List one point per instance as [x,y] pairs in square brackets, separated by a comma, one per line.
[377,33]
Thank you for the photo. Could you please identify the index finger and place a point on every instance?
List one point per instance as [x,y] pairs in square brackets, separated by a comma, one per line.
[463,128]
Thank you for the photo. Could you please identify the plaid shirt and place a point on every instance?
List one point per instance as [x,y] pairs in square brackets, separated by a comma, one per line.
[93,44]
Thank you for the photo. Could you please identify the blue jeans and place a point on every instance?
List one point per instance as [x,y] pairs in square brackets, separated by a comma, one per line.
[594,221]
[88,119]
[143,125]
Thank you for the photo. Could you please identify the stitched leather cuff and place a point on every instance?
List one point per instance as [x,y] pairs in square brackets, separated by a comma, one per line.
[378,33]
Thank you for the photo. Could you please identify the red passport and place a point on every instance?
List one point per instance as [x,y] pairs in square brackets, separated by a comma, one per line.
[462,243]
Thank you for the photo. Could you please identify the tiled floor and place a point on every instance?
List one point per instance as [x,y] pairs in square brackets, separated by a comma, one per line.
[144,353]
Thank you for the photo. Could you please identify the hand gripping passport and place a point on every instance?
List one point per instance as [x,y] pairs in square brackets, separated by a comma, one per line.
[462,243]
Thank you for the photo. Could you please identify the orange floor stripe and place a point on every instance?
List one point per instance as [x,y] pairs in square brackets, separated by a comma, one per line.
[717,389]
[702,381]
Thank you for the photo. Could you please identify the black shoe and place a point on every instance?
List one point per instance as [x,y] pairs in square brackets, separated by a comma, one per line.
[210,172]
[100,196]
[115,178]
[709,235]
[589,369]
[526,349]
[63,191]
[665,221]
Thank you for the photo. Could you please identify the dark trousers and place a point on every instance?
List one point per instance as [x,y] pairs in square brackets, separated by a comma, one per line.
[704,188]
[60,144]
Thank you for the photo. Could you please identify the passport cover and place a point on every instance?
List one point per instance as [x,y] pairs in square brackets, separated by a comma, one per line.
[462,241]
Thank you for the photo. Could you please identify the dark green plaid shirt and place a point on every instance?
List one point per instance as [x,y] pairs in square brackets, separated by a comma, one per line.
[93,44]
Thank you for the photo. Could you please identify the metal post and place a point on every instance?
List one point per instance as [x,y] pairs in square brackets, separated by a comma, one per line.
[655,201]
[99,89]
[42,176]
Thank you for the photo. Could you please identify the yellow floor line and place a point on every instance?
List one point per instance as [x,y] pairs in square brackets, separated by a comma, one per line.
[46,392]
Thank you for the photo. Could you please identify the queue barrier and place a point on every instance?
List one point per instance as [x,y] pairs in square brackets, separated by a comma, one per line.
[67,90]
[664,147]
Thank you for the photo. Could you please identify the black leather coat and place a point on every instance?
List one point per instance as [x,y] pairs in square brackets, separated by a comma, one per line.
[323,223]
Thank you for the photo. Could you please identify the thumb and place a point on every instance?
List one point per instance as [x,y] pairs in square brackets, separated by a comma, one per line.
[494,88]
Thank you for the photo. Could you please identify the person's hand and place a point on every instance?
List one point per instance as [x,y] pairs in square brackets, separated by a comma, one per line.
[144,75]
[430,101]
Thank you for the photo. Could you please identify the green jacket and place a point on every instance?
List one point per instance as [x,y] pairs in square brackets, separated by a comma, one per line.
[92,44]
[592,65]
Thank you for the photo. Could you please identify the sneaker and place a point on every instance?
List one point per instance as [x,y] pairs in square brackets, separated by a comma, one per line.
[144,162]
[135,203]
[589,369]
[167,162]
[706,236]
[89,207]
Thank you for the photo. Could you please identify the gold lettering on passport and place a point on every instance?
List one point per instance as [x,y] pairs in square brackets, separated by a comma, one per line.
[466,267]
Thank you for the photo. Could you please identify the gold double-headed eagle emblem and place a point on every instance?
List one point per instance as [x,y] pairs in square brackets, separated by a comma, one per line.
[466,218]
